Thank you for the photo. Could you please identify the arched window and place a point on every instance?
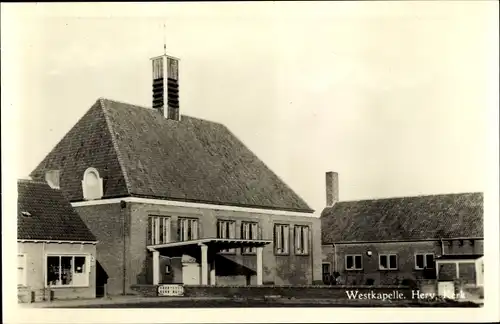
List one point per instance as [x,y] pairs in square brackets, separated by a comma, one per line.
[92,184]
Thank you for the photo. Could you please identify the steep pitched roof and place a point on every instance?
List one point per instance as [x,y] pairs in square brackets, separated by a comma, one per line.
[45,214]
[405,218]
[140,153]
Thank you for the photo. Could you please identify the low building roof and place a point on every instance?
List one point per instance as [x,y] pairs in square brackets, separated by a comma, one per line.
[404,218]
[45,214]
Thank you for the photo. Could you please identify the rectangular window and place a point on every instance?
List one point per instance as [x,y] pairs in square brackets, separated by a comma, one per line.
[424,261]
[302,240]
[158,230]
[281,236]
[326,273]
[187,229]
[388,262]
[67,270]
[353,262]
[249,231]
[226,230]
[21,270]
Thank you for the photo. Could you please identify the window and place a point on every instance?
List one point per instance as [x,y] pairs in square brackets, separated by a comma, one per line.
[249,231]
[158,230]
[187,229]
[353,262]
[21,269]
[326,273]
[67,270]
[388,262]
[92,184]
[302,240]
[424,261]
[281,235]
[226,230]
[167,269]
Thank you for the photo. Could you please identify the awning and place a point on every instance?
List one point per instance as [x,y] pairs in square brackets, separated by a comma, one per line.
[458,257]
[214,244]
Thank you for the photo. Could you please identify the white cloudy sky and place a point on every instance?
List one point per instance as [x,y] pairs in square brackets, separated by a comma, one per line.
[400,98]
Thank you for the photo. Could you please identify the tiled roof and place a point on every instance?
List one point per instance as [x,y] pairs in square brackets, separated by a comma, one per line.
[405,218]
[45,214]
[140,153]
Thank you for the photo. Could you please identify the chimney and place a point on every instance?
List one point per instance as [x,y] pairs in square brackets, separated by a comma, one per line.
[332,188]
[166,86]
[52,178]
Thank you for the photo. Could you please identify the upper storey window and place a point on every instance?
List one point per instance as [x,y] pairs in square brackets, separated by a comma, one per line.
[92,184]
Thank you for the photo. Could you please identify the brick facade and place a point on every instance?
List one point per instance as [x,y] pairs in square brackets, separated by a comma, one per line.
[121,230]
[405,252]
[108,224]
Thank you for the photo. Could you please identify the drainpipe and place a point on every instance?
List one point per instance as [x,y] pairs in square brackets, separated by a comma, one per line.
[123,204]
[334,257]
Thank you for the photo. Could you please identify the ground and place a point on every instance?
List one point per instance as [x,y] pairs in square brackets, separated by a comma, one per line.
[187,302]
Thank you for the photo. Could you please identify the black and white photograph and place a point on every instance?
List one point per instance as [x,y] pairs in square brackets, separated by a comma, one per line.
[331,158]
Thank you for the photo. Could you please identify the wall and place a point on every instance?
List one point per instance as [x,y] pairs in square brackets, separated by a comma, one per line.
[109,224]
[406,263]
[292,269]
[320,292]
[35,254]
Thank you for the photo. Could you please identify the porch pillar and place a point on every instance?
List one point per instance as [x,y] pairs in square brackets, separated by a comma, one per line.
[204,264]
[212,272]
[259,265]
[156,267]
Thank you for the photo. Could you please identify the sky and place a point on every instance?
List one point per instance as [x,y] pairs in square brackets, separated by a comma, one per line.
[399,98]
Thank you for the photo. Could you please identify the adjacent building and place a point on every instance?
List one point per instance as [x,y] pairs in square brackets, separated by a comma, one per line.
[178,199]
[389,241]
[55,250]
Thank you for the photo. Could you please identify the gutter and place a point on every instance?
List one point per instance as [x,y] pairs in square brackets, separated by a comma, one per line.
[334,257]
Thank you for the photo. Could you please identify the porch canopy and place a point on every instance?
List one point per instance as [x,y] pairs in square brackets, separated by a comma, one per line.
[203,248]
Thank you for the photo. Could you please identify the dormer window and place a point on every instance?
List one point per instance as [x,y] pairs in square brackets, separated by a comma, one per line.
[92,184]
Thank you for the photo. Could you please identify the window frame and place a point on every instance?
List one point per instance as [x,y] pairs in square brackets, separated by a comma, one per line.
[424,255]
[87,257]
[232,223]
[304,250]
[249,250]
[275,246]
[24,277]
[189,219]
[85,188]
[151,237]
[354,262]
[388,256]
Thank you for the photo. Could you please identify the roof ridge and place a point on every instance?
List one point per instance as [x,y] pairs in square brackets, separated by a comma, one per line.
[414,196]
[115,144]
[153,109]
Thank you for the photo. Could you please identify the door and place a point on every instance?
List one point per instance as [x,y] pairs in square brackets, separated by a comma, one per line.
[446,289]
[326,273]
[191,274]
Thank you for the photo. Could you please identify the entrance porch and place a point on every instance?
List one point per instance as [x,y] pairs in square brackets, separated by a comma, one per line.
[204,251]
[460,276]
